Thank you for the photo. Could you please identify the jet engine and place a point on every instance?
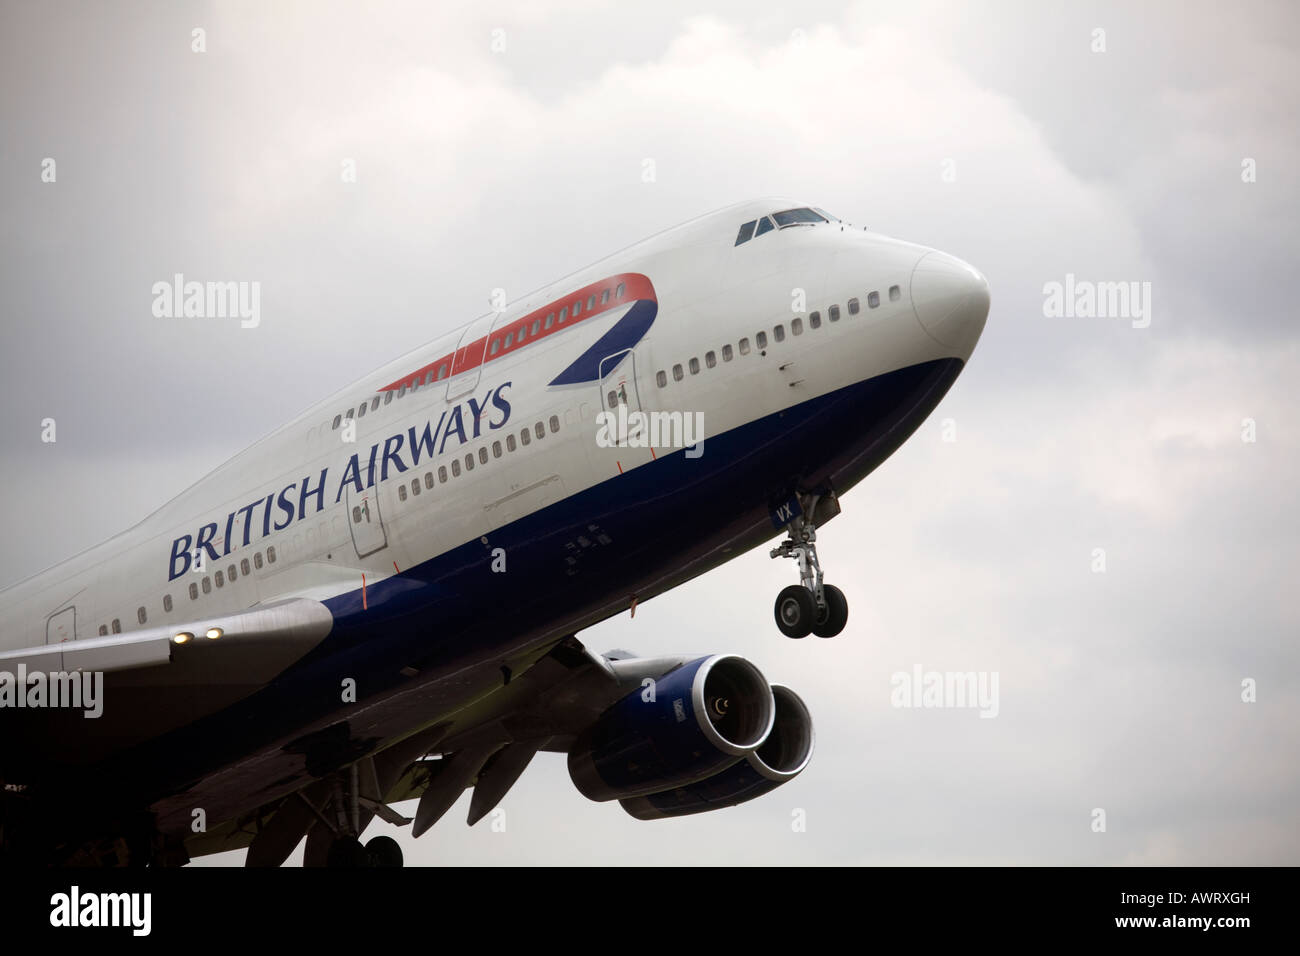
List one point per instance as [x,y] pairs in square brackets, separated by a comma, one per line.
[687,726]
[779,759]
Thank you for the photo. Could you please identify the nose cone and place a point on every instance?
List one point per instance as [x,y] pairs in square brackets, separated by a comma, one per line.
[951,300]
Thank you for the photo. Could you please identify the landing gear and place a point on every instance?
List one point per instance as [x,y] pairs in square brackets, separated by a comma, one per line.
[795,611]
[832,618]
[384,852]
[346,853]
[809,607]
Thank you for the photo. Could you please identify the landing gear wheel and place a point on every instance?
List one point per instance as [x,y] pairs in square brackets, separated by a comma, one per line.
[795,611]
[832,618]
[346,853]
[384,852]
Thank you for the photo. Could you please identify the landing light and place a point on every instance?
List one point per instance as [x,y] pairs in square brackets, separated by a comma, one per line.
[184,637]
[214,633]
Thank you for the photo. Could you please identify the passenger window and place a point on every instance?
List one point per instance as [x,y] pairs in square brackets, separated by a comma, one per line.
[726,352]
[815,320]
[167,603]
[442,474]
[388,397]
[220,579]
[103,628]
[677,372]
[524,437]
[207,584]
[496,347]
[270,555]
[555,423]
[482,455]
[746,232]
[442,371]
[577,308]
[244,569]
[604,296]
[779,333]
[523,332]
[257,560]
[894,293]
[510,443]
[618,293]
[744,346]
[469,461]
[361,409]
[338,419]
[510,338]
[873,300]
[661,378]
[428,479]
[194,591]
[764,225]
[550,319]
[834,313]
[537,326]
[496,449]
[854,308]
[564,314]
[415,486]
[455,467]
[612,399]
[591,302]
[760,340]
[401,390]
[539,430]
[231,575]
[348,416]
[374,404]
[796,326]
[117,624]
[140,615]
[695,366]
[710,359]
[401,492]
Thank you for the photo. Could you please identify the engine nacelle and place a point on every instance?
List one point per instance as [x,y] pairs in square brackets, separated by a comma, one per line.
[701,718]
[779,759]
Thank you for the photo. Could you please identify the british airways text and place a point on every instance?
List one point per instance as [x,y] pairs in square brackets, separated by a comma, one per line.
[463,422]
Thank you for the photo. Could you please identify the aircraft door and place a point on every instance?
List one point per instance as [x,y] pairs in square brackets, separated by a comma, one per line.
[367,524]
[467,363]
[61,627]
[618,393]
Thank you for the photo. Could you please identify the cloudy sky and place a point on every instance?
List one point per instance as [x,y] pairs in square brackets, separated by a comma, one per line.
[507,146]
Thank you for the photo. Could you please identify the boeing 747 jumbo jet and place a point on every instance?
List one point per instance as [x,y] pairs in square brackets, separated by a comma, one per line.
[379,601]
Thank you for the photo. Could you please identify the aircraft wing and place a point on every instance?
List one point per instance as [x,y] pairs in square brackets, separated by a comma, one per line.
[262,640]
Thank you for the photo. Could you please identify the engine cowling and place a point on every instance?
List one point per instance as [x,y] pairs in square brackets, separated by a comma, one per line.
[700,719]
[779,759]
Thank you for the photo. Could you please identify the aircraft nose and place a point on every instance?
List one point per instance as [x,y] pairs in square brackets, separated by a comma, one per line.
[951,300]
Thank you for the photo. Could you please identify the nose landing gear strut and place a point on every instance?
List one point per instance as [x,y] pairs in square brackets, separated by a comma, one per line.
[809,607]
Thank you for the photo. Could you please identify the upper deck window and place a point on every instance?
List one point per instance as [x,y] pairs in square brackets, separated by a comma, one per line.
[797,217]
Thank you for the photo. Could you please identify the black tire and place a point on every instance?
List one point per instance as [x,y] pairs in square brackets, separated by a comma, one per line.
[832,620]
[795,611]
[346,853]
[384,852]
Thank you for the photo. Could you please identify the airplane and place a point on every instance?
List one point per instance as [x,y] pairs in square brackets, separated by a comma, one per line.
[380,601]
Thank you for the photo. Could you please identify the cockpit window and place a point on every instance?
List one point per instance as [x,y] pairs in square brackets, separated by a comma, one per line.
[797,217]
[828,216]
[764,225]
[746,232]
